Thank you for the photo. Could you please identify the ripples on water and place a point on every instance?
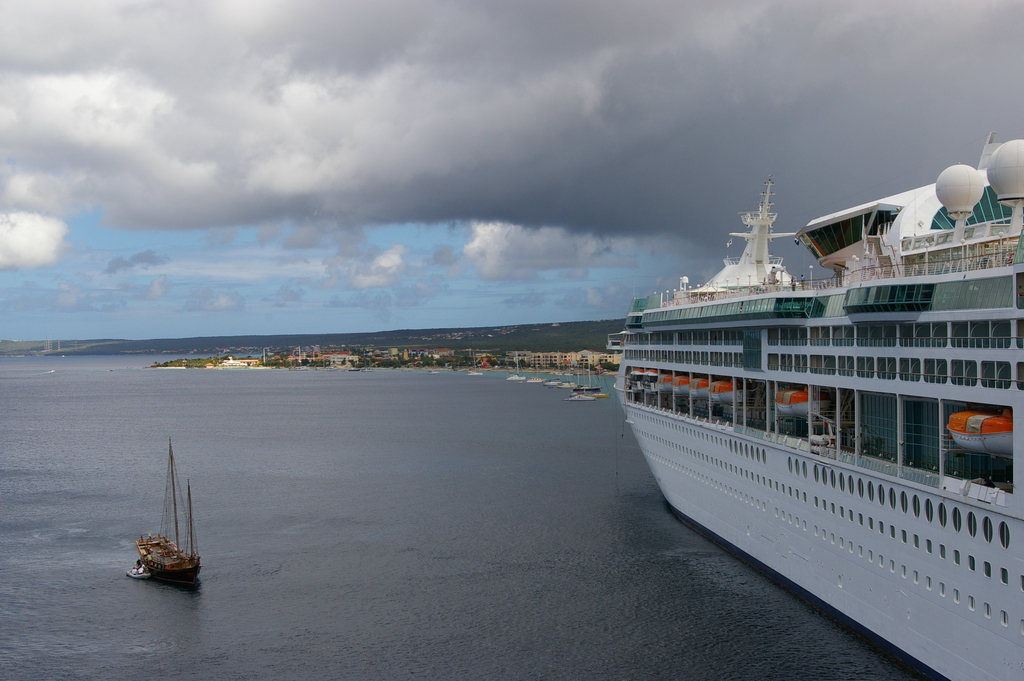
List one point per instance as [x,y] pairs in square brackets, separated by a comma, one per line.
[367,526]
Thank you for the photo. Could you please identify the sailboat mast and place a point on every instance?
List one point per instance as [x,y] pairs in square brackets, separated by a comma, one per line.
[174,491]
[193,549]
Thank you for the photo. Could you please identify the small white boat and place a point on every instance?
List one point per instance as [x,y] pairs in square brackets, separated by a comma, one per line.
[535,379]
[580,397]
[138,573]
[474,373]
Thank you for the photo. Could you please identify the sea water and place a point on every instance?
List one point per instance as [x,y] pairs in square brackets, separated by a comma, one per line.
[370,525]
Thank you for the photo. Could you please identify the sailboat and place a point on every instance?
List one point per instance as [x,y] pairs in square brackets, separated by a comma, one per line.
[166,559]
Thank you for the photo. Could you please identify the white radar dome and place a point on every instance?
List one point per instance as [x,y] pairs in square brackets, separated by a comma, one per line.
[959,187]
[1006,171]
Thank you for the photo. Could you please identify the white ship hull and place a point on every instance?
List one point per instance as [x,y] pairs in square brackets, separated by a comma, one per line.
[898,596]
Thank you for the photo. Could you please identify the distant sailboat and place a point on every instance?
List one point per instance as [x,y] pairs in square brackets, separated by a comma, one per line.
[172,561]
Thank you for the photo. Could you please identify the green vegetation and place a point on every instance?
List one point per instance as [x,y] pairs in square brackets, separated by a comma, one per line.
[567,336]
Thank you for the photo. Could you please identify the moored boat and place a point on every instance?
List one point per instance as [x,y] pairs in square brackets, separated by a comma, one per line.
[866,458]
[174,560]
[983,431]
[795,402]
[721,392]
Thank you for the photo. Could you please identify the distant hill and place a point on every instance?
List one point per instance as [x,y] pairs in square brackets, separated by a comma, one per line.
[565,336]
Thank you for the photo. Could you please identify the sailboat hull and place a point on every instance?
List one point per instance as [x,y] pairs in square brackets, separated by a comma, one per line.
[166,562]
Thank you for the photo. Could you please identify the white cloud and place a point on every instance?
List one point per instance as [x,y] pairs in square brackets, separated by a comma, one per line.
[208,300]
[502,251]
[384,269]
[30,240]
[157,288]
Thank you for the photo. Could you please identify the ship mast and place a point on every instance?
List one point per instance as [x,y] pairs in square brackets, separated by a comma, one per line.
[171,494]
[760,223]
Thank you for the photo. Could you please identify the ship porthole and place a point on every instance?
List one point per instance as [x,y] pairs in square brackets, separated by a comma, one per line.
[972,524]
[1004,535]
[860,487]
[832,475]
[842,483]
[942,514]
[917,506]
[849,484]
[957,520]
[986,529]
[871,491]
[805,469]
[903,501]
[815,472]
[892,497]
[928,509]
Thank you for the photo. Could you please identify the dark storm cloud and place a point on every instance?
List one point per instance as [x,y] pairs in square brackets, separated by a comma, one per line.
[611,118]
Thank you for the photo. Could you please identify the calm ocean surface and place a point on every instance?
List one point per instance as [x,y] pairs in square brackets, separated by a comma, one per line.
[378,525]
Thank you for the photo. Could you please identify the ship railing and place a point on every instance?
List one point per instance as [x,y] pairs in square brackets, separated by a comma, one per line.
[999,258]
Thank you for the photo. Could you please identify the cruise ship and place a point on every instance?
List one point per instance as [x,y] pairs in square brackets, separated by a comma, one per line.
[852,435]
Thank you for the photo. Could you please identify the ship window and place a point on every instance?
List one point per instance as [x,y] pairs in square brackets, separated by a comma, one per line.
[942,589]
[935,371]
[971,564]
[871,523]
[903,536]
[860,518]
[892,498]
[842,483]
[928,509]
[988,569]
[860,487]
[964,372]
[910,369]
[804,466]
[849,484]
[1004,535]
[871,491]
[956,557]
[996,375]
[917,542]
[892,531]
[832,476]
[881,495]
[903,501]
[972,524]
[956,595]
[887,368]
[942,514]
[789,462]
[942,551]
[815,473]
[865,367]
[1004,575]
[957,520]
[986,529]
[928,545]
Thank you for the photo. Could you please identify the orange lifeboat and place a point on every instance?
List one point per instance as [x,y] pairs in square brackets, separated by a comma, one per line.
[665,383]
[681,386]
[721,392]
[699,388]
[793,402]
[983,431]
